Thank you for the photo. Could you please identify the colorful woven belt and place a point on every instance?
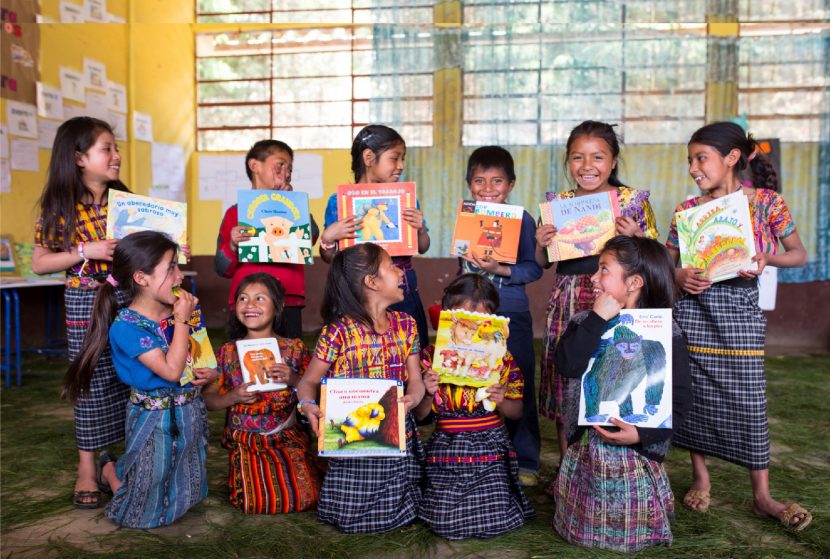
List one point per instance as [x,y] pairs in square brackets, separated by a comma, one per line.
[162,402]
[83,282]
[472,458]
[477,424]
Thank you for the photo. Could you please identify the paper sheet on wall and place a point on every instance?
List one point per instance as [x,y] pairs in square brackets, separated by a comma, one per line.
[49,102]
[96,105]
[24,155]
[117,94]
[95,11]
[308,174]
[70,111]
[168,171]
[95,74]
[72,84]
[5,176]
[4,141]
[112,18]
[221,176]
[46,131]
[142,126]
[71,13]
[21,119]
[118,122]
[768,288]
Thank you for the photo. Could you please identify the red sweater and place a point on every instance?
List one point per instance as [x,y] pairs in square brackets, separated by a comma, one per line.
[226,263]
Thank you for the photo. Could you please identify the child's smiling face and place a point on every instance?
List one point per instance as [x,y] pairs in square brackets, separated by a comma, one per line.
[490,185]
[590,163]
[254,308]
[708,168]
[387,166]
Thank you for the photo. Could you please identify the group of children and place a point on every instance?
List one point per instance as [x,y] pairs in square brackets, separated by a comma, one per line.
[611,489]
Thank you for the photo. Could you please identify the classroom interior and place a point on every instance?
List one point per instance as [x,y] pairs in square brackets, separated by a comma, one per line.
[462,74]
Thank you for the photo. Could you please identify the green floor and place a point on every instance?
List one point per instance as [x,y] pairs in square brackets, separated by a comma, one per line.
[38,459]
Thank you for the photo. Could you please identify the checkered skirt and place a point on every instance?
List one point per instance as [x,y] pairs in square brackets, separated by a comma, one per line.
[99,416]
[472,488]
[374,494]
[725,330]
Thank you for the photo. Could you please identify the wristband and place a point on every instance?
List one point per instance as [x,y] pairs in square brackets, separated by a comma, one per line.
[305,401]
[81,250]
[328,246]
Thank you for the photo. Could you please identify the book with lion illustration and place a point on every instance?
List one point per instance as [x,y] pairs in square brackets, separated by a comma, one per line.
[361,417]
[279,224]
[380,205]
[717,237]
[470,347]
[128,213]
[255,357]
[583,224]
[200,352]
[487,229]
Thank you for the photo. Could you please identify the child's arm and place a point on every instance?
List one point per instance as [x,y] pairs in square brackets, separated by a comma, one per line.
[46,261]
[214,400]
[509,408]
[580,341]
[308,390]
[415,218]
[690,280]
[526,269]
[169,365]
[544,237]
[431,383]
[415,389]
[341,229]
[795,255]
[226,260]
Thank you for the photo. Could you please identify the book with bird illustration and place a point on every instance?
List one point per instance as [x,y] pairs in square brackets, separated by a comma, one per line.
[583,224]
[128,213]
[470,347]
[717,237]
[380,205]
[255,357]
[361,417]
[279,224]
[487,229]
[200,351]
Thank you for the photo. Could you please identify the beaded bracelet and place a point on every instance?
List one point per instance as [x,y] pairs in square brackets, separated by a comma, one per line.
[305,401]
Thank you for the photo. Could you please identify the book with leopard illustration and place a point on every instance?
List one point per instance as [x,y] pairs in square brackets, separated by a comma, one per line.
[717,237]
[583,224]
[380,205]
[255,357]
[200,351]
[470,347]
[128,213]
[279,224]
[487,229]
[361,417]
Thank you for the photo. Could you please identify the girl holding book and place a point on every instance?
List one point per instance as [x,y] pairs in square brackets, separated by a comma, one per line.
[591,157]
[162,472]
[272,467]
[378,154]
[726,328]
[364,338]
[472,488]
[612,490]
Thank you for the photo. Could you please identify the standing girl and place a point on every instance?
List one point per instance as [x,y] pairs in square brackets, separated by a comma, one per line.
[378,154]
[162,473]
[726,328]
[472,488]
[591,156]
[612,491]
[271,468]
[70,235]
[364,338]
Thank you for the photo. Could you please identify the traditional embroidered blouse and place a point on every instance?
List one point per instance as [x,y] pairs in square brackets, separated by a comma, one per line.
[634,204]
[90,225]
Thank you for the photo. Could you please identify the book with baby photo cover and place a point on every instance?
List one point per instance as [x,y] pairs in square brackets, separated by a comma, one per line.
[255,357]
[361,417]
[279,224]
[470,347]
[380,206]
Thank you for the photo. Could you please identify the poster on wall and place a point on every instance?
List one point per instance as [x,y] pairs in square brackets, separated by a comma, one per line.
[71,13]
[22,119]
[72,84]
[19,50]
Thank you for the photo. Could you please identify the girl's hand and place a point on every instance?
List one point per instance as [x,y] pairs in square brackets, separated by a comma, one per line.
[691,280]
[606,306]
[628,434]
[100,250]
[495,393]
[238,235]
[312,412]
[204,376]
[185,250]
[761,259]
[184,306]
[241,395]
[413,217]
[545,234]
[343,229]
[489,264]
[280,373]
[431,382]
[627,226]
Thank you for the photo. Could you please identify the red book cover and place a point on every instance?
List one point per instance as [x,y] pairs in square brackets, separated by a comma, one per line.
[381,206]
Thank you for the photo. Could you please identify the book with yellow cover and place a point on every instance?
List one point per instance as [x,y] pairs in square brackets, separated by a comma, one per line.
[380,205]
[470,347]
[487,229]
[200,351]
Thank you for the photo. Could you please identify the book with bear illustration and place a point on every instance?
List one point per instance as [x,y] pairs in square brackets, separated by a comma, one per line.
[128,213]
[487,229]
[255,357]
[200,351]
[361,417]
[583,224]
[380,205]
[470,347]
[279,224]
[717,237]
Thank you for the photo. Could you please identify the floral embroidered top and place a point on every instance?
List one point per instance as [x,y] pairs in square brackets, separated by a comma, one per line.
[131,335]
[353,350]
[90,225]
[457,400]
[271,408]
[771,220]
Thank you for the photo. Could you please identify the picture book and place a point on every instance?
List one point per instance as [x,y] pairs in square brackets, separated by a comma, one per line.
[470,347]
[255,357]
[7,264]
[280,226]
[23,259]
[200,351]
[583,224]
[128,213]
[380,205]
[362,417]
[629,376]
[717,237]
[487,229]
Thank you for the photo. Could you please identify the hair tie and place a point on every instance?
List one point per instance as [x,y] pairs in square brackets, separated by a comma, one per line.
[112,281]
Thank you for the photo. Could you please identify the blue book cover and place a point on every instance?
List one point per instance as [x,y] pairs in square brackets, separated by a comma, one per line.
[279,224]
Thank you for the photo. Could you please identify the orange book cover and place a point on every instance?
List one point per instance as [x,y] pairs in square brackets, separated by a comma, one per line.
[381,206]
[487,228]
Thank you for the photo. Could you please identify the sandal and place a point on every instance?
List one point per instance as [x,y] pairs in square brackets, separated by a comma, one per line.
[81,499]
[791,512]
[697,500]
[103,459]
